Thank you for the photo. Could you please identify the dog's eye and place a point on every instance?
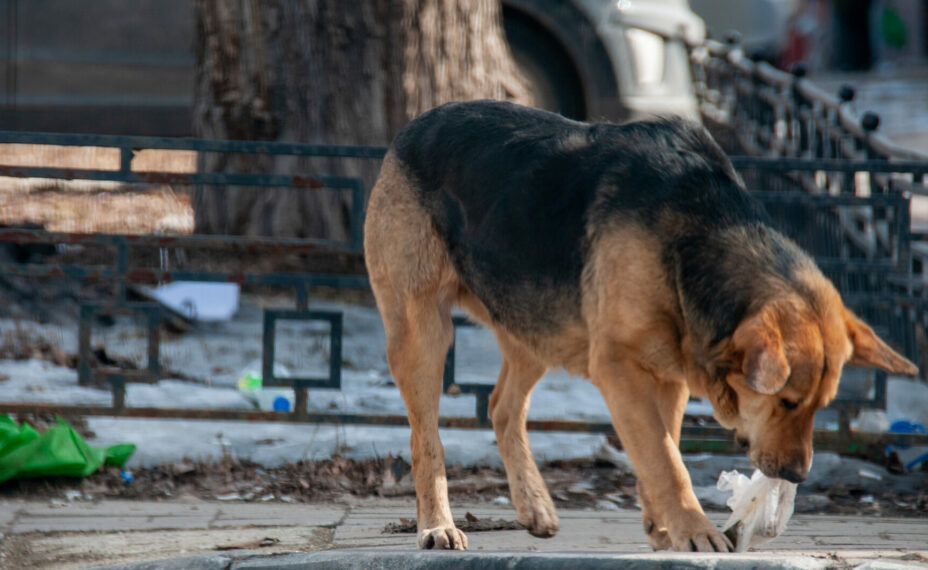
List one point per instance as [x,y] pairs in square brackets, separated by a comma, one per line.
[789,404]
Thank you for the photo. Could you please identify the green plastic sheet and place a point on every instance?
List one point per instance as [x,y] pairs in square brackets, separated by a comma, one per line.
[24,452]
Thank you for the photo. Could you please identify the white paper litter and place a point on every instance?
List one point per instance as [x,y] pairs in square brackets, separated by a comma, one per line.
[760,507]
[200,301]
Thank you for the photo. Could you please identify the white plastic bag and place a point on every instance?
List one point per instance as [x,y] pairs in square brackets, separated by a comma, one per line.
[760,508]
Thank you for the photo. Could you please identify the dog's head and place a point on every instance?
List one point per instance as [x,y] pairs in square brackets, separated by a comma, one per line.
[783,363]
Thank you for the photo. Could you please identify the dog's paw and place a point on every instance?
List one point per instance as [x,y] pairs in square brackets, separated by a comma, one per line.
[658,537]
[699,536]
[442,538]
[540,519]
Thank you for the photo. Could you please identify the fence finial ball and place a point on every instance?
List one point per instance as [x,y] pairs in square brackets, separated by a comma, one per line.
[799,69]
[846,93]
[733,37]
[870,121]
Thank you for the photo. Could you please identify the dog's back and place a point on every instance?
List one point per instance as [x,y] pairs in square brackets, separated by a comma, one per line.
[518,195]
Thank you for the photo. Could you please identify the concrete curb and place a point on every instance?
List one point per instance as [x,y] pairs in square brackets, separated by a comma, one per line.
[416,560]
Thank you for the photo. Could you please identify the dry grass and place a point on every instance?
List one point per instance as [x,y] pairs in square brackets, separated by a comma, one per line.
[84,206]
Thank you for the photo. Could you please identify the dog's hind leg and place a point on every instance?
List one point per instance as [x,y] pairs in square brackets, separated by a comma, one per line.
[509,405]
[416,349]
[414,285]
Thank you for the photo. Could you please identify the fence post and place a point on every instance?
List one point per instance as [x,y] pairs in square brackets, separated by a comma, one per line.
[869,122]
[802,124]
[846,95]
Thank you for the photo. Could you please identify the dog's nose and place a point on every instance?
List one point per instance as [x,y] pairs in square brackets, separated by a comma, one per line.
[792,474]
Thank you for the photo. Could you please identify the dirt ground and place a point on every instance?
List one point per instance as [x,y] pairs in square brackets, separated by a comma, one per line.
[573,484]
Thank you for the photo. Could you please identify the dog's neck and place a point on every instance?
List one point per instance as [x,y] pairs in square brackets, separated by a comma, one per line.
[725,276]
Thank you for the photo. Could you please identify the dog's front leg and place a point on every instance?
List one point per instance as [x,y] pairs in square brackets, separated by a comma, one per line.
[631,395]
[671,396]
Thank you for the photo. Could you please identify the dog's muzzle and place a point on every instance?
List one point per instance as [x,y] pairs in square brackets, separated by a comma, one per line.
[792,474]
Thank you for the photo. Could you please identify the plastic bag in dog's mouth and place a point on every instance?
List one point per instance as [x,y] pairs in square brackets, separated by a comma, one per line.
[760,508]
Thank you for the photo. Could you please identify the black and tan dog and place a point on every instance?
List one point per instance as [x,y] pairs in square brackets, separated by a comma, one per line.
[629,254]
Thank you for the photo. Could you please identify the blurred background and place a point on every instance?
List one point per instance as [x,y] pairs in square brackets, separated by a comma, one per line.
[129,68]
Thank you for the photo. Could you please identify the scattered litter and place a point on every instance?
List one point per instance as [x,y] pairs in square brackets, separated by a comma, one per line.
[581,488]
[183,467]
[502,501]
[616,498]
[250,385]
[60,450]
[867,474]
[250,545]
[760,506]
[126,475]
[910,456]
[75,495]
[868,499]
[476,484]
[229,497]
[469,523]
[200,301]
[612,455]
[604,505]
[870,420]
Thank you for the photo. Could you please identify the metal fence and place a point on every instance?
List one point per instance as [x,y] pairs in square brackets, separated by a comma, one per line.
[831,181]
[756,109]
[856,226]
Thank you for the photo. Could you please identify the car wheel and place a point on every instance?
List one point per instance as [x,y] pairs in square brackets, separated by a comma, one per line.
[546,66]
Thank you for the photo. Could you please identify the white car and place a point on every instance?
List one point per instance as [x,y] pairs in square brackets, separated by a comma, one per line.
[606,59]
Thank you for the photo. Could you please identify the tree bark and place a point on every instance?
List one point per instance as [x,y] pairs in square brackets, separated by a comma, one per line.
[336,72]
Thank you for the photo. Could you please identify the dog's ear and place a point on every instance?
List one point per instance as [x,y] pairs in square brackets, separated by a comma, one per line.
[760,345]
[869,350]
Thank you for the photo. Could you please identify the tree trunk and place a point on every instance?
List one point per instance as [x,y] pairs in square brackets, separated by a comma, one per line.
[336,72]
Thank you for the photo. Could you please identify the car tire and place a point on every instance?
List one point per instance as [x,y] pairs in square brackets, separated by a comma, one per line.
[552,77]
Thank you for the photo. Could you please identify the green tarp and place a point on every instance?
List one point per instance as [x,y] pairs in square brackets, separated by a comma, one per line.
[24,452]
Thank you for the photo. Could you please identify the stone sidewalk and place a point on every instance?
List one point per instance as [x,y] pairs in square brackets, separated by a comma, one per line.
[78,534]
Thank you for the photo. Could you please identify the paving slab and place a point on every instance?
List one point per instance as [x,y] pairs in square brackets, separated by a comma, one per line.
[149,515]
[111,516]
[119,508]
[80,550]
[275,515]
[8,512]
[581,531]
[26,524]
[80,535]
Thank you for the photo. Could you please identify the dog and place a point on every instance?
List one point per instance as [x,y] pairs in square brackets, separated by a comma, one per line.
[630,254]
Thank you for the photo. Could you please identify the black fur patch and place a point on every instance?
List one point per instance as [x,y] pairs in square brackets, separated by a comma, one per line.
[515,192]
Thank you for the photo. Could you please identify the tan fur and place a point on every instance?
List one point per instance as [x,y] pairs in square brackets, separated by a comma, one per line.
[633,341]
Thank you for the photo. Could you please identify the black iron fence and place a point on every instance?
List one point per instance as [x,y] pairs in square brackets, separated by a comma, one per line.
[756,109]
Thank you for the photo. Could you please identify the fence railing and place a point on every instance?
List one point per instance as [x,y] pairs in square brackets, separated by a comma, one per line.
[763,111]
